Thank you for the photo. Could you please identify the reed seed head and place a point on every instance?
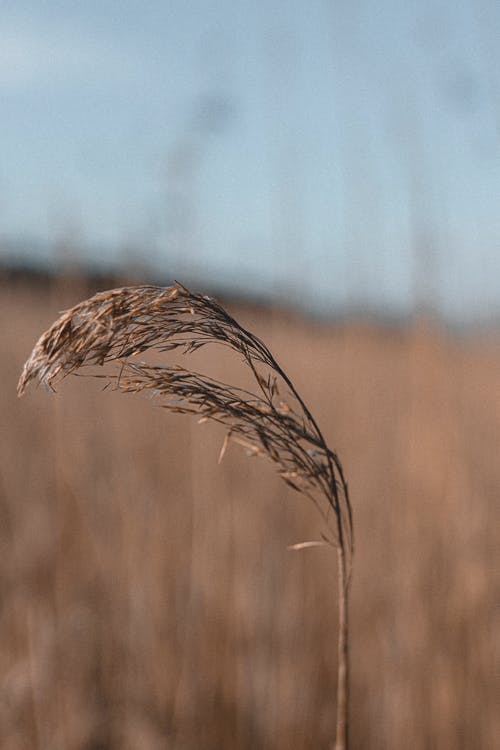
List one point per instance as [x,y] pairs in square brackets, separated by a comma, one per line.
[113,327]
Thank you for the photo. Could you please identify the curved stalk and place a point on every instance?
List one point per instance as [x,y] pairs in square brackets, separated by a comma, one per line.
[114,326]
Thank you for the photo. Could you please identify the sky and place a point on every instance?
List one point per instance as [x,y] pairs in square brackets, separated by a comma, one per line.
[344,154]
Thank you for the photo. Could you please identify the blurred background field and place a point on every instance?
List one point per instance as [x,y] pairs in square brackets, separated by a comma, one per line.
[330,171]
[149,600]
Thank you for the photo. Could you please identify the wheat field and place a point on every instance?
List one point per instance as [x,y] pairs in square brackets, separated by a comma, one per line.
[148,599]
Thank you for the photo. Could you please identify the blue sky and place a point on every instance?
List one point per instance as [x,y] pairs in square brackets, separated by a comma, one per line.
[347,151]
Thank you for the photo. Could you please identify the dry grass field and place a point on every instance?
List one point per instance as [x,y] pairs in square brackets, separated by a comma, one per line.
[148,600]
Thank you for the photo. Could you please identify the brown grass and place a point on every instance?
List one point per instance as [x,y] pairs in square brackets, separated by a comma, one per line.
[115,325]
[149,602]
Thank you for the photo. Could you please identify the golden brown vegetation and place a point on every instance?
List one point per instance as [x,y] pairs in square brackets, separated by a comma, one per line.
[148,599]
[114,326]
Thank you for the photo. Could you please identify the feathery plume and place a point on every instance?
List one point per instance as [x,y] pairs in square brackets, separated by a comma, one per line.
[115,326]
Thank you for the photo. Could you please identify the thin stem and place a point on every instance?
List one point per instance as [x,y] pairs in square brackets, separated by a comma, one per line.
[115,325]
[342,738]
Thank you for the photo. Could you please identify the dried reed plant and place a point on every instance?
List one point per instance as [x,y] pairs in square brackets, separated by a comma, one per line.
[273,421]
